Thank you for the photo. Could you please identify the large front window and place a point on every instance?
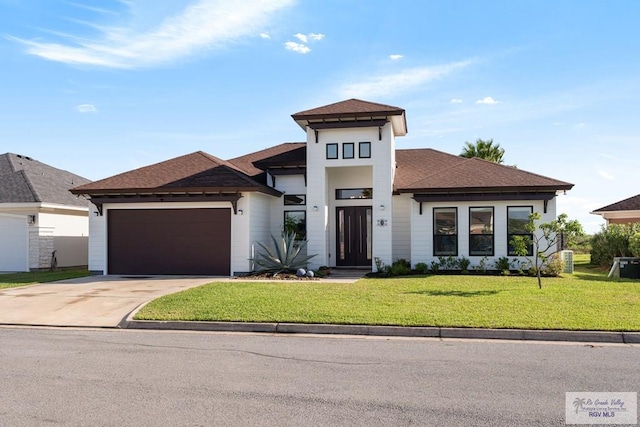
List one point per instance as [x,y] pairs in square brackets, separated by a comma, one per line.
[517,219]
[445,231]
[296,222]
[481,231]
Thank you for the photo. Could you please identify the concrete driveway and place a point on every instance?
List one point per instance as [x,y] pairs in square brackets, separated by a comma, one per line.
[98,301]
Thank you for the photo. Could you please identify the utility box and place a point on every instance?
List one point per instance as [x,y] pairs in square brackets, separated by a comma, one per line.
[567,258]
[630,268]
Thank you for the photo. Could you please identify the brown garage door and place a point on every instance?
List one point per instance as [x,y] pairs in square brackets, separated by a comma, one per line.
[169,241]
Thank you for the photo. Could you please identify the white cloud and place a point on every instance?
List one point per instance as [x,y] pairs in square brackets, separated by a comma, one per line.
[301,37]
[606,175]
[304,38]
[395,57]
[297,47]
[86,108]
[405,80]
[456,101]
[202,25]
[486,100]
[265,35]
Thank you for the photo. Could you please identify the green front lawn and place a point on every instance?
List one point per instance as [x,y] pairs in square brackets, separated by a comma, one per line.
[586,300]
[21,279]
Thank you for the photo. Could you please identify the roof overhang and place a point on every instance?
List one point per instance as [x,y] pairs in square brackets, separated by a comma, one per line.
[337,121]
[485,196]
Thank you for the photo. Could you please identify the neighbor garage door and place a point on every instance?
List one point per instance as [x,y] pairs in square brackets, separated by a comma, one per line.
[13,243]
[169,241]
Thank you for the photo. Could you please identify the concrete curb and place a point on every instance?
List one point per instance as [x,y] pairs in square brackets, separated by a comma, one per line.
[391,331]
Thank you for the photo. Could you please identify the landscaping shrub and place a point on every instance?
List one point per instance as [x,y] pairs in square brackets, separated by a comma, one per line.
[464,263]
[400,267]
[422,268]
[634,245]
[503,265]
[482,265]
[554,266]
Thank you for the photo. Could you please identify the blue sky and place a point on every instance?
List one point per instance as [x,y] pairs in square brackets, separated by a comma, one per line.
[101,87]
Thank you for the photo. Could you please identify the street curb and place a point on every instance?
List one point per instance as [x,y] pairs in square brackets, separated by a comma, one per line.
[391,331]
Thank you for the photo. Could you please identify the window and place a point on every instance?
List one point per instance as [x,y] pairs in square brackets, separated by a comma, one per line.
[364,150]
[296,222]
[354,193]
[517,218]
[445,231]
[332,151]
[295,199]
[348,150]
[481,231]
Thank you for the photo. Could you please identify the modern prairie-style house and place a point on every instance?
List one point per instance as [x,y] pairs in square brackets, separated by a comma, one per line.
[623,212]
[347,190]
[38,215]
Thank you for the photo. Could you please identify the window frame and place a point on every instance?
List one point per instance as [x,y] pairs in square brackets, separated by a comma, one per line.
[510,251]
[353,150]
[333,145]
[360,145]
[483,234]
[301,196]
[438,237]
[300,234]
[363,190]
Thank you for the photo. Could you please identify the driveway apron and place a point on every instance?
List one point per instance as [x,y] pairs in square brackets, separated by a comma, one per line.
[95,301]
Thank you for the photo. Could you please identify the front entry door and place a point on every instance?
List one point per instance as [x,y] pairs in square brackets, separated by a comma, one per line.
[353,236]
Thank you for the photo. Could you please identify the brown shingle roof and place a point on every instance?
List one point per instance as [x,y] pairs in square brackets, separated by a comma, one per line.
[630,204]
[435,171]
[348,107]
[196,170]
[246,163]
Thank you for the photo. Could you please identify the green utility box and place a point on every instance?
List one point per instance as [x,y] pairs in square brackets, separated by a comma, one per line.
[630,268]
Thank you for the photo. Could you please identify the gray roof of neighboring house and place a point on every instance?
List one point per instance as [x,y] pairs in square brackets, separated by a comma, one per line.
[25,180]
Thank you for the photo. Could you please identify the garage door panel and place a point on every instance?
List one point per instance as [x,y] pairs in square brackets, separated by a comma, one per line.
[169,241]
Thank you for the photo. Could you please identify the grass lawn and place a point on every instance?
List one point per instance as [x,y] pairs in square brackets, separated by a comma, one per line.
[13,280]
[585,300]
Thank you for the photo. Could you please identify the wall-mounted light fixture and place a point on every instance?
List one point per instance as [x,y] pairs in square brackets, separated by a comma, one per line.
[31,219]
[240,212]
[315,208]
[381,207]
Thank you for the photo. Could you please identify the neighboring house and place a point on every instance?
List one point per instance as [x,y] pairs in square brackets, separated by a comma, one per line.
[356,199]
[38,215]
[623,212]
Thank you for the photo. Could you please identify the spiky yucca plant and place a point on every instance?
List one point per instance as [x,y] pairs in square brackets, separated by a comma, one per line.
[285,257]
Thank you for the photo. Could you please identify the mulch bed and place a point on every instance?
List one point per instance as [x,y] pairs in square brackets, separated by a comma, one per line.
[279,276]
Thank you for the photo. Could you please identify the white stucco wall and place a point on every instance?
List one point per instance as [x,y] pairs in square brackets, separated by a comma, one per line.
[422,227]
[70,239]
[323,177]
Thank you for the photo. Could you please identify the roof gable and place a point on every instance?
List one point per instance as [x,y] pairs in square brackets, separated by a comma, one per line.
[289,151]
[25,180]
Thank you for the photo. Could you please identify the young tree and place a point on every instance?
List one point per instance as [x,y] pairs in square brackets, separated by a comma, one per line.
[483,149]
[545,243]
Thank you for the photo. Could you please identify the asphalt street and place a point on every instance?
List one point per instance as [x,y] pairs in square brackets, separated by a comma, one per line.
[97,377]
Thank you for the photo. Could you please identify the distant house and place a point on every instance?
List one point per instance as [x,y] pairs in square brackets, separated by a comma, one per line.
[38,215]
[623,212]
[347,190]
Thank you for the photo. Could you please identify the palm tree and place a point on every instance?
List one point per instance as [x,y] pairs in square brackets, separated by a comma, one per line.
[483,149]
[579,403]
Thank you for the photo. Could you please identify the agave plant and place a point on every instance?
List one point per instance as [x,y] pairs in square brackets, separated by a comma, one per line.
[285,257]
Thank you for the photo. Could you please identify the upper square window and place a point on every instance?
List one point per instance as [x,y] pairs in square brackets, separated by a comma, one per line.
[348,150]
[332,151]
[364,149]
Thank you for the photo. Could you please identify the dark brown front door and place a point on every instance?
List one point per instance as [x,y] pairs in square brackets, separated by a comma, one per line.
[353,236]
[169,241]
